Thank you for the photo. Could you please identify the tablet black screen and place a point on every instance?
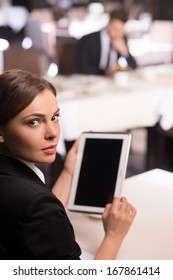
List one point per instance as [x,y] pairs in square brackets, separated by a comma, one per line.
[98,172]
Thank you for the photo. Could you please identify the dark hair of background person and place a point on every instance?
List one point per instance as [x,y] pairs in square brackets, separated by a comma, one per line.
[118,14]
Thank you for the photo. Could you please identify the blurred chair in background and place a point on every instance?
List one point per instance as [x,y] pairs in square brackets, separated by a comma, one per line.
[17,57]
[40,28]
[66,55]
[159,148]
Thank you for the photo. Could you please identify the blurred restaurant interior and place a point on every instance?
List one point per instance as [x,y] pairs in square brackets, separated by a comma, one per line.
[42,36]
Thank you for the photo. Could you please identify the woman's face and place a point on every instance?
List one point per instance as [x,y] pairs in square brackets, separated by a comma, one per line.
[34,133]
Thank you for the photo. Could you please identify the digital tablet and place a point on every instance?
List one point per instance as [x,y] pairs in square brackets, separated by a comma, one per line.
[99,171]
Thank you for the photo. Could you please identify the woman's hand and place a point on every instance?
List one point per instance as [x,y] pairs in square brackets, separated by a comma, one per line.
[71,158]
[61,188]
[118,217]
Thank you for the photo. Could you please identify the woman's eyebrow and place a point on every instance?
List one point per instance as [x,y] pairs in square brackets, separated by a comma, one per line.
[57,111]
[40,114]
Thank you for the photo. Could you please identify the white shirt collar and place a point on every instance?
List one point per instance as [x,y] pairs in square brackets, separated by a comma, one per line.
[105,49]
[105,45]
[35,169]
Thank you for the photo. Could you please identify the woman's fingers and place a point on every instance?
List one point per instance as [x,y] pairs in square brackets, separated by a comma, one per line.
[121,208]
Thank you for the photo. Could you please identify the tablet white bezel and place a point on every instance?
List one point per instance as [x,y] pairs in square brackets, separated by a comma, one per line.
[126,137]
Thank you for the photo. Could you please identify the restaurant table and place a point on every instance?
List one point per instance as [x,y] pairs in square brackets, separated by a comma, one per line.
[128,100]
[150,236]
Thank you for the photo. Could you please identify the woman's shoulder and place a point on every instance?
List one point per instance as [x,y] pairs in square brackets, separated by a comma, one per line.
[14,173]
[19,197]
[19,184]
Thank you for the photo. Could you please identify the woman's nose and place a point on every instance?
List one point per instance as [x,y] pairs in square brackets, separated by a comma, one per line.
[51,130]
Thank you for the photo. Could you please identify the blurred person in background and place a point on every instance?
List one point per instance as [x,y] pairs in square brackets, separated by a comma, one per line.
[105,51]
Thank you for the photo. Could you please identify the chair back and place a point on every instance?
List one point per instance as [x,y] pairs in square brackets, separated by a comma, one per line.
[17,57]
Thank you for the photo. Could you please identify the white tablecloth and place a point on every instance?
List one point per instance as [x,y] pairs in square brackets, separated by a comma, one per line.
[128,100]
[150,237]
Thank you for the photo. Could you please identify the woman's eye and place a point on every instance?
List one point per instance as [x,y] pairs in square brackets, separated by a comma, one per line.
[55,118]
[33,123]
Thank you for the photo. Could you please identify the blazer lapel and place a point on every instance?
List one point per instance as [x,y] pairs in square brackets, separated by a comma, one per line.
[14,167]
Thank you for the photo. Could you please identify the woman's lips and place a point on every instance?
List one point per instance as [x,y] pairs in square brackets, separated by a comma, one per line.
[50,149]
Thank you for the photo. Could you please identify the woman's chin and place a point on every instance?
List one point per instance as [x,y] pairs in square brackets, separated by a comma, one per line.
[48,160]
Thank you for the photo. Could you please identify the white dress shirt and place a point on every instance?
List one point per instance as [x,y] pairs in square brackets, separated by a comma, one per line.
[32,166]
[105,49]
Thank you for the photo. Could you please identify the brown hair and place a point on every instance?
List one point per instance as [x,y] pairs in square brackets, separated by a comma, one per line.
[118,14]
[18,89]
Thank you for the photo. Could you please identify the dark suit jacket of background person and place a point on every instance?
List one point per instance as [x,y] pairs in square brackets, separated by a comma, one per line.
[34,224]
[89,52]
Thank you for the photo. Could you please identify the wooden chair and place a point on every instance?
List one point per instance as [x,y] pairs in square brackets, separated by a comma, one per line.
[66,54]
[159,148]
[17,57]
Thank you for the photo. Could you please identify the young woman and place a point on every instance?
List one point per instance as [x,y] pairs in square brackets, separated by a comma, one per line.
[34,224]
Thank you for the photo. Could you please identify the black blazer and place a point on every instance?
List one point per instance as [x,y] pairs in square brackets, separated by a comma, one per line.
[89,52]
[34,224]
